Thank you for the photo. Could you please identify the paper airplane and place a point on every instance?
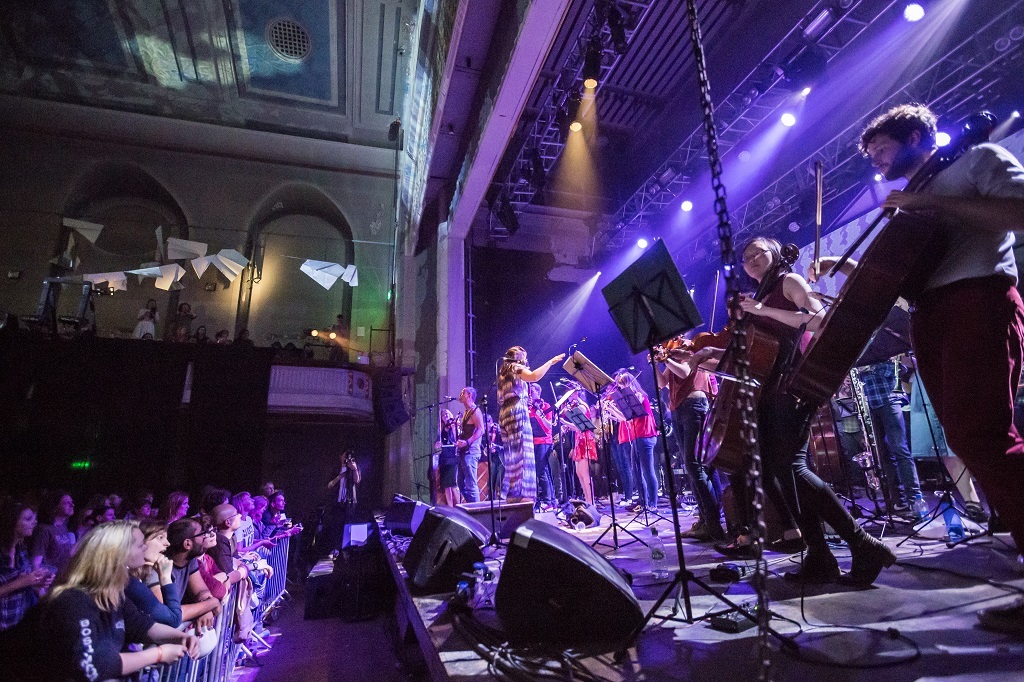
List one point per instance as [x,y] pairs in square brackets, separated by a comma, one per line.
[161,252]
[168,277]
[326,273]
[90,231]
[200,264]
[180,249]
[118,281]
[230,263]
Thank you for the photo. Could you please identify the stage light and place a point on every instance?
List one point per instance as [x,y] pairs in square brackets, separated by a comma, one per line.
[592,63]
[794,226]
[788,120]
[575,126]
[333,335]
[913,12]
[942,139]
[879,177]
[818,25]
[687,206]
[806,91]
[642,243]
[617,30]
[314,332]
[745,155]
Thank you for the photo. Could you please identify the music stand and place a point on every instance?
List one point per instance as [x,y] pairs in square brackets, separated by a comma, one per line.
[650,304]
[594,379]
[631,408]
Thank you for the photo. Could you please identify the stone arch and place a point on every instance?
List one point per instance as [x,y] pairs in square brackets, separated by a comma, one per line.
[299,218]
[130,203]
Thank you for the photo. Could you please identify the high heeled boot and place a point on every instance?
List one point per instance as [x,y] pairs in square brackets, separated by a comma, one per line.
[870,556]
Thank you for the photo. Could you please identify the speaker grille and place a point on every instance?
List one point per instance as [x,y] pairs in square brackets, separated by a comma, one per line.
[289,40]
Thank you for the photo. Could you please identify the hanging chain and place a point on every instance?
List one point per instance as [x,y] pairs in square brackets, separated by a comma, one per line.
[745,395]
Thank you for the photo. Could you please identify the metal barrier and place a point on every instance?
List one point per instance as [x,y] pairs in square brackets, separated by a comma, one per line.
[218,664]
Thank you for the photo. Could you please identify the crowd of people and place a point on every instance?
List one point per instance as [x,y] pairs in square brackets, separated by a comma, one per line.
[82,587]
[181,327]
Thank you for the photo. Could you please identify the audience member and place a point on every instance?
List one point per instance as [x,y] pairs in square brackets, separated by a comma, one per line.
[175,507]
[20,584]
[245,536]
[79,630]
[149,586]
[185,547]
[141,506]
[226,520]
[222,337]
[267,489]
[259,508]
[211,497]
[183,322]
[208,570]
[53,542]
[243,338]
[200,335]
[147,319]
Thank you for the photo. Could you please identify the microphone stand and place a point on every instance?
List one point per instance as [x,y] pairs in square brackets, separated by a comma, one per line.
[495,539]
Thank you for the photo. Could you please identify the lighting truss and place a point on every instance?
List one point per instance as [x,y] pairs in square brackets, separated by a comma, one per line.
[958,84]
[544,134]
[757,98]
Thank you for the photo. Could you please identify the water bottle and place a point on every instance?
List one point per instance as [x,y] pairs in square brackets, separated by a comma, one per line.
[659,569]
[579,525]
[954,524]
[920,507]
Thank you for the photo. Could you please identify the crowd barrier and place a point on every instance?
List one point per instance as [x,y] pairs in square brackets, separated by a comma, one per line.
[218,664]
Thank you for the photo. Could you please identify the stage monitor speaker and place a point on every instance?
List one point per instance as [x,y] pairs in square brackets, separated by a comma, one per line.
[446,545]
[556,589]
[404,515]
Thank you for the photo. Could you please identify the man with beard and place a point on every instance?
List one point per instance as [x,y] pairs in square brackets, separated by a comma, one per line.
[185,538]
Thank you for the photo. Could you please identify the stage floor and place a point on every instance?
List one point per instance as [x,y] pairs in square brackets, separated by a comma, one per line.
[930,597]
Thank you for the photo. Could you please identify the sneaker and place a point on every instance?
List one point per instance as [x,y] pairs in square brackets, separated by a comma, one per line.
[1006,619]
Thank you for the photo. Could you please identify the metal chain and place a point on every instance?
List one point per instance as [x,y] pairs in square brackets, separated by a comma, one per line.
[745,394]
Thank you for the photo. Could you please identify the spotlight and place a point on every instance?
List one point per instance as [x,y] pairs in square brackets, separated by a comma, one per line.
[687,206]
[806,91]
[913,12]
[314,332]
[575,126]
[333,335]
[788,120]
[942,139]
[642,243]
[592,63]
[794,226]
[617,29]
[745,155]
[879,177]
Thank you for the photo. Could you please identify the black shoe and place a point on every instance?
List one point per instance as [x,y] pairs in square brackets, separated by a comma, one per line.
[976,513]
[817,567]
[789,546]
[1006,619]
[735,550]
[870,556]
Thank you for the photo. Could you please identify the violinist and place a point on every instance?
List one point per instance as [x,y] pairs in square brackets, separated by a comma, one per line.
[783,307]
[690,389]
[584,451]
[640,435]
[540,423]
[448,459]
[968,324]
[471,433]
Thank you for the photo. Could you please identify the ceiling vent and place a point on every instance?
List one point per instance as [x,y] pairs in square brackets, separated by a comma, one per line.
[289,40]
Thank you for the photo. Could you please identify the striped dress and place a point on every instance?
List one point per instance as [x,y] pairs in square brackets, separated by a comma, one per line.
[516,432]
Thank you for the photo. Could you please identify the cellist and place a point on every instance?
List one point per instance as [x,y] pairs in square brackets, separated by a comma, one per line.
[783,307]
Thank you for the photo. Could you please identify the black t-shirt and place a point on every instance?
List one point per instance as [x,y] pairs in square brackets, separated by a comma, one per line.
[222,553]
[70,638]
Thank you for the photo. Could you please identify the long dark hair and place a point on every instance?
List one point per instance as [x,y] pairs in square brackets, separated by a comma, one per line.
[10,515]
[783,258]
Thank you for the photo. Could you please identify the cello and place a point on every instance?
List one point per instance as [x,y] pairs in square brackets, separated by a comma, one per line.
[722,443]
[899,261]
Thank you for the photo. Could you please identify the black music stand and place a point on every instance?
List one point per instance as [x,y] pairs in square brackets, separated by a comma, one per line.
[650,304]
[594,380]
[631,408]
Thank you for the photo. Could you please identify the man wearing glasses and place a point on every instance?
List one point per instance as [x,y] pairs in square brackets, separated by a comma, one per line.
[197,604]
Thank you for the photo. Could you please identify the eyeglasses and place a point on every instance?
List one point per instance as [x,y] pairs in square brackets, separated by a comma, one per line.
[756,255]
[209,530]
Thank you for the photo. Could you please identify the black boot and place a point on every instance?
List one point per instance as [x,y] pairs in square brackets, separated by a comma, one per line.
[818,566]
[870,556]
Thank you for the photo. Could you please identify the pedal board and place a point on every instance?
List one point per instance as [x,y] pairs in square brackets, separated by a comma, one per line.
[734,621]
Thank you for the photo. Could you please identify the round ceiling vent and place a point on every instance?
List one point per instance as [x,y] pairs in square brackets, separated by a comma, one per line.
[289,39]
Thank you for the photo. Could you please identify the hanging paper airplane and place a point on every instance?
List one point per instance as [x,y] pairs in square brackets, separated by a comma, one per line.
[181,249]
[168,277]
[200,264]
[90,231]
[326,273]
[117,281]
[230,263]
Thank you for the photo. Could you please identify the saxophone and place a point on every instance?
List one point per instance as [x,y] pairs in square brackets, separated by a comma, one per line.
[864,459]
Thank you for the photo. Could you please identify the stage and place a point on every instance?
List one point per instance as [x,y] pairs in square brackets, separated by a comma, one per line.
[917,621]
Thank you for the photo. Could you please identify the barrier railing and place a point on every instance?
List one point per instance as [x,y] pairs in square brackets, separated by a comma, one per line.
[218,664]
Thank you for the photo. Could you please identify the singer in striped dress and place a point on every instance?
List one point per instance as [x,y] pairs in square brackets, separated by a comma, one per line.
[514,420]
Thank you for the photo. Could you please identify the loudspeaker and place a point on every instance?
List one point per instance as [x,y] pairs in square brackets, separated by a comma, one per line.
[507,515]
[404,515]
[556,589]
[447,544]
[387,399]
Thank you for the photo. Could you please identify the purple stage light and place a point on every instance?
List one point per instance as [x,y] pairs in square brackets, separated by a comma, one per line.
[913,12]
[687,206]
[788,120]
[942,139]
[642,243]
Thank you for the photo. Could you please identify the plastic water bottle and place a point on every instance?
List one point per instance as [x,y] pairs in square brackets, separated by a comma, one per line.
[954,524]
[659,569]
[920,507]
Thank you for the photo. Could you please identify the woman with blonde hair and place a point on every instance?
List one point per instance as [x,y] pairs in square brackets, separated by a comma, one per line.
[79,630]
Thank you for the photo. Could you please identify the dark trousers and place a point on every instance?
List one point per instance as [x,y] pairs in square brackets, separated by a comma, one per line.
[968,339]
[689,420]
[891,434]
[545,487]
[557,471]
